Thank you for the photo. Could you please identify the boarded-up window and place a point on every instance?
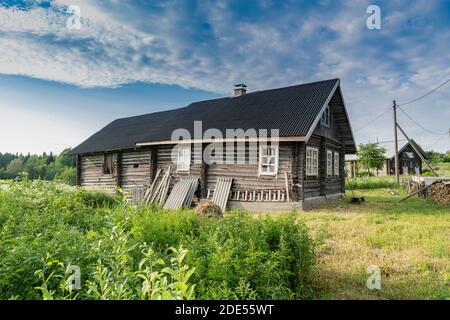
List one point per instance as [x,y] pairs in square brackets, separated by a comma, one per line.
[108,164]
[184,158]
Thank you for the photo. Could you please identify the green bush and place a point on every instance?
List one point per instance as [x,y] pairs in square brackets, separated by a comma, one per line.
[364,174]
[372,183]
[128,252]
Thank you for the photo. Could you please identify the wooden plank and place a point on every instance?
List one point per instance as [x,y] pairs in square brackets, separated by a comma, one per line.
[287,186]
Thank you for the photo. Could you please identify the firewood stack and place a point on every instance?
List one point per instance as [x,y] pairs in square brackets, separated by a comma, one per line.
[440,191]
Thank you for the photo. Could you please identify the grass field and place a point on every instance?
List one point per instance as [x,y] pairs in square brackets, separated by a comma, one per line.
[443,168]
[409,241]
[44,227]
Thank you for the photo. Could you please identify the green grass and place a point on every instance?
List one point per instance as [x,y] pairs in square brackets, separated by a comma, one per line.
[409,241]
[371,183]
[442,168]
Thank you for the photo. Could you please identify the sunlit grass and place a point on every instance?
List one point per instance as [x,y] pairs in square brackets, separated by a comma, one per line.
[409,241]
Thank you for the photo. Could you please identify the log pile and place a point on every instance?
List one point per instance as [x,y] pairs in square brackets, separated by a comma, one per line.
[440,191]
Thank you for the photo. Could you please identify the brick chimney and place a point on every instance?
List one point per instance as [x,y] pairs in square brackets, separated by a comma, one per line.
[240,89]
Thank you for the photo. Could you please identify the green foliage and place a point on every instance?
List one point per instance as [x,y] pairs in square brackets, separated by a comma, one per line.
[436,157]
[237,257]
[364,174]
[371,156]
[128,252]
[370,182]
[45,167]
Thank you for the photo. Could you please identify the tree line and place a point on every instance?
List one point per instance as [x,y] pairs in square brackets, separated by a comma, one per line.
[46,166]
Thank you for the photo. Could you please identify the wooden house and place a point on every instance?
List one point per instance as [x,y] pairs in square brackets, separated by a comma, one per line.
[410,162]
[305,166]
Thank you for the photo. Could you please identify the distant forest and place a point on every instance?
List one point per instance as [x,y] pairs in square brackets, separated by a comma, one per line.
[45,166]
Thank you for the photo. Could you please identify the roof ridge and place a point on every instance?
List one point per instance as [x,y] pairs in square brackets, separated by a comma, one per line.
[291,86]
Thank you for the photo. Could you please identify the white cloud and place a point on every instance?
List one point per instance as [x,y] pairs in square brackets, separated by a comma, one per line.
[120,43]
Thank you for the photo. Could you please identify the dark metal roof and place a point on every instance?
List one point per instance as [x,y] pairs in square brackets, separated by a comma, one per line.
[292,110]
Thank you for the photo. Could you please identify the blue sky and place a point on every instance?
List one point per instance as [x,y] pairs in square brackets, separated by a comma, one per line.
[60,85]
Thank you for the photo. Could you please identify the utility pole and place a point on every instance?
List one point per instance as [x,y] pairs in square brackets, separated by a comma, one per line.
[397,173]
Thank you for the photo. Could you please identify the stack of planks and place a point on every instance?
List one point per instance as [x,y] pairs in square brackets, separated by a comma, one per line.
[157,192]
[182,193]
[440,191]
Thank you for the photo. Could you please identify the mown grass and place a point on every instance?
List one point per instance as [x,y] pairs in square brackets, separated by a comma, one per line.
[409,241]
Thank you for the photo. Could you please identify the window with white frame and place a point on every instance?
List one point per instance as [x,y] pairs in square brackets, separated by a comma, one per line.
[329,163]
[184,157]
[268,160]
[336,164]
[312,161]
[325,120]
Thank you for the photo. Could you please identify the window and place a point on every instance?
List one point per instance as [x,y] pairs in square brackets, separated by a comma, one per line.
[312,161]
[108,164]
[325,120]
[184,158]
[336,164]
[268,160]
[329,163]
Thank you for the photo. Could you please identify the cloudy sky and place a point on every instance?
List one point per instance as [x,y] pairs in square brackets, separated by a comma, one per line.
[60,84]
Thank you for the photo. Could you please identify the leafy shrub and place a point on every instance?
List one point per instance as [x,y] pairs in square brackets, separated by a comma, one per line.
[128,252]
[236,257]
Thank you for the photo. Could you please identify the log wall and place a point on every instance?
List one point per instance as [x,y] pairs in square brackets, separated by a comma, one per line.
[323,185]
[138,167]
[92,176]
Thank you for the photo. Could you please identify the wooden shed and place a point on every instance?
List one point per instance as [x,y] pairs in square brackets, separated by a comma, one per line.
[299,160]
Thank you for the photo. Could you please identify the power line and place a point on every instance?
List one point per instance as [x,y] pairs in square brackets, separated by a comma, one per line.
[423,96]
[420,126]
[373,120]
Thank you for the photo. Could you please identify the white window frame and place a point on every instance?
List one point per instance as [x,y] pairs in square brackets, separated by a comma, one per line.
[184,158]
[336,164]
[329,163]
[312,161]
[265,165]
[326,116]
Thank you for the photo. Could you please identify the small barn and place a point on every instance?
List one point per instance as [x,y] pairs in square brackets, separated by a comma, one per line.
[410,162]
[302,163]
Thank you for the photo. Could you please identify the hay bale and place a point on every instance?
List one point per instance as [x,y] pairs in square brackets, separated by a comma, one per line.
[208,209]
[440,191]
